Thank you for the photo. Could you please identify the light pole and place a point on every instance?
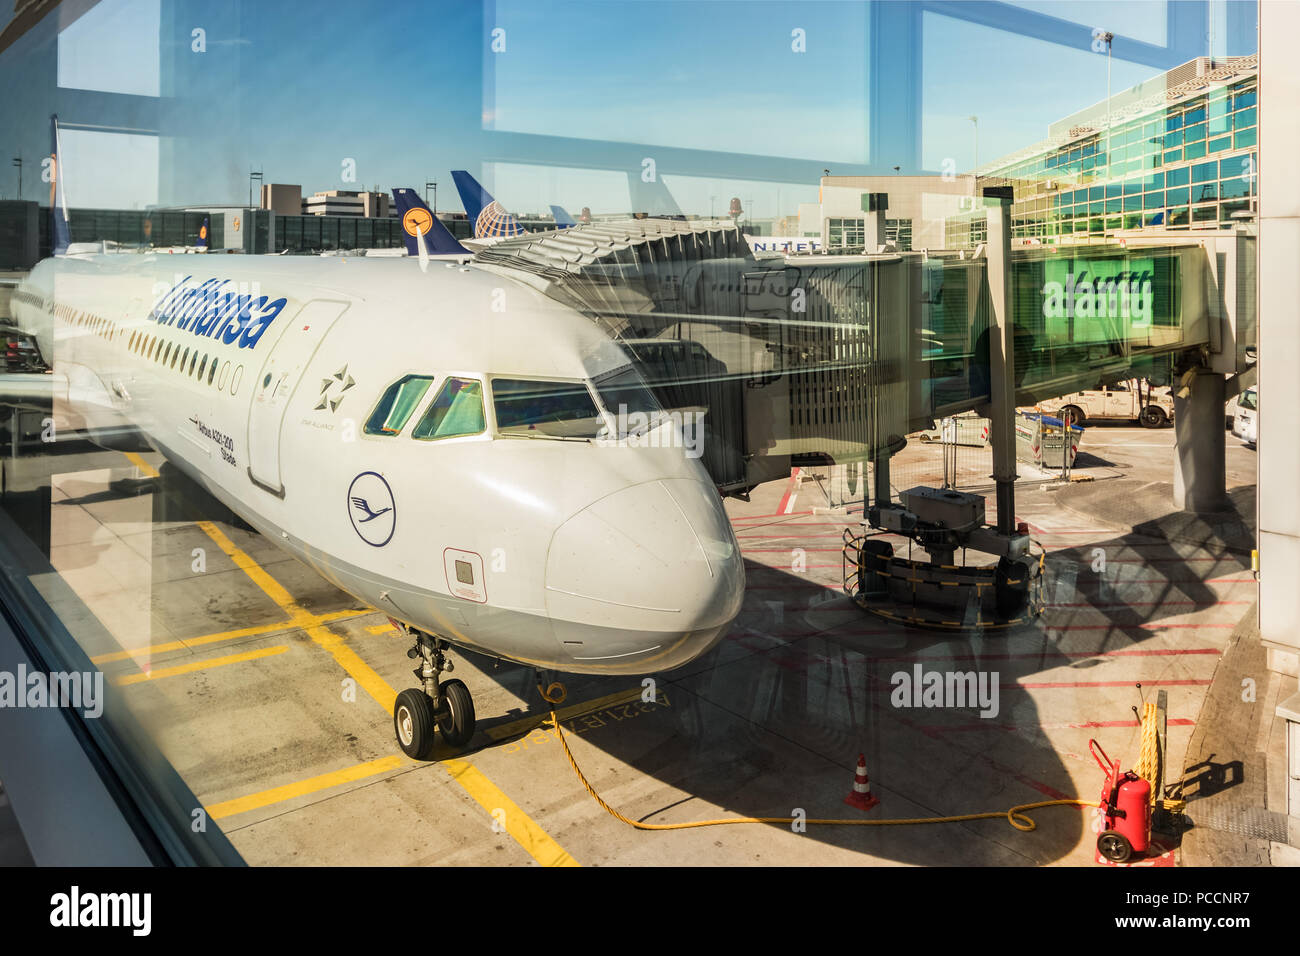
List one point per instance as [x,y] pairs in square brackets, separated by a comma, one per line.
[251,176]
[18,161]
[712,200]
[1108,37]
[976,121]
[434,184]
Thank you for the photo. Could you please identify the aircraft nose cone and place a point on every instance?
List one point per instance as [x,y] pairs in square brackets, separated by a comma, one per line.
[645,579]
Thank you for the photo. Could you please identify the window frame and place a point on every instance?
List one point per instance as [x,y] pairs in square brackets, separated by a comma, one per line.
[426,405]
[374,406]
[490,400]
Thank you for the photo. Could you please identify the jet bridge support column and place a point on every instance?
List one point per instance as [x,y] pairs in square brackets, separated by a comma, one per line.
[1002,361]
[1199,472]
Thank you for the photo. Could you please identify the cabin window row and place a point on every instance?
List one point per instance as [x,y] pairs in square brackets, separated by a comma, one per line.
[201,366]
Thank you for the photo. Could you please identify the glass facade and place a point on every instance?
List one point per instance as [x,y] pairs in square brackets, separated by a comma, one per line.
[1190,165]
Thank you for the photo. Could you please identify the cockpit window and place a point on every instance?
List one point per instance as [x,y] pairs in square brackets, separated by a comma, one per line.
[399,402]
[629,401]
[457,410]
[536,409]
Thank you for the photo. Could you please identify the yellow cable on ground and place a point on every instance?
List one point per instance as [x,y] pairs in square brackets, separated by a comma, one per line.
[1016,816]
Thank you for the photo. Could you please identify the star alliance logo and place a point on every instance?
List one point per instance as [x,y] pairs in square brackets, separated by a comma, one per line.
[330,397]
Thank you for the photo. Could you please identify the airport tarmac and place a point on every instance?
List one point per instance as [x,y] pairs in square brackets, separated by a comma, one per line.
[271,692]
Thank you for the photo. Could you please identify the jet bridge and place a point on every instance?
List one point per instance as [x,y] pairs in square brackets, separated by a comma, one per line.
[834,358]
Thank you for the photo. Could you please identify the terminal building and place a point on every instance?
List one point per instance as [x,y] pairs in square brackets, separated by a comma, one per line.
[918,209]
[1176,153]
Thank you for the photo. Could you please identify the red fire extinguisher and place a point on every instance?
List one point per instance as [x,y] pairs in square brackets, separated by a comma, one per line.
[1126,801]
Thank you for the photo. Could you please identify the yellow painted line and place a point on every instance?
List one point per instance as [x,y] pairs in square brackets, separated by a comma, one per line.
[524,724]
[272,588]
[189,642]
[356,668]
[536,841]
[199,665]
[140,463]
[303,787]
[380,628]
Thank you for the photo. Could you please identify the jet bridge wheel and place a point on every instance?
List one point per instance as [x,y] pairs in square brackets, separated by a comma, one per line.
[457,723]
[413,722]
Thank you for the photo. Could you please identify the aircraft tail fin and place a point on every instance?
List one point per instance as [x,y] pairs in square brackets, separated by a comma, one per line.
[202,241]
[489,217]
[562,218]
[651,199]
[60,234]
[417,218]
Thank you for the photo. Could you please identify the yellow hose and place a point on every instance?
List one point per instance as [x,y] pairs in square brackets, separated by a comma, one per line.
[1016,816]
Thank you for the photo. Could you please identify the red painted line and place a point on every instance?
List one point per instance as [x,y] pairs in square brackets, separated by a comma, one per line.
[1078,725]
[1048,652]
[1046,533]
[1061,685]
[1120,607]
[1165,560]
[792,514]
[793,585]
[814,524]
[786,550]
[1006,656]
[1089,724]
[792,537]
[1188,581]
[791,490]
[1140,627]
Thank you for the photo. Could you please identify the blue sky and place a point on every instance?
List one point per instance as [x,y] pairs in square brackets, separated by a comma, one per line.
[713,90]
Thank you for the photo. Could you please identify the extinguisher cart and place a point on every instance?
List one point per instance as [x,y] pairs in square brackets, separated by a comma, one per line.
[1126,802]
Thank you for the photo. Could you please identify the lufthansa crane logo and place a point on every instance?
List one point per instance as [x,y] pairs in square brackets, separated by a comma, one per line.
[416,221]
[372,509]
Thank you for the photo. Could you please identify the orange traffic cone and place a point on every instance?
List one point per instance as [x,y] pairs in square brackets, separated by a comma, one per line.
[861,796]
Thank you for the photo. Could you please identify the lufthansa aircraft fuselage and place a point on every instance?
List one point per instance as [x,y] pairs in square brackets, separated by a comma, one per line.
[291,389]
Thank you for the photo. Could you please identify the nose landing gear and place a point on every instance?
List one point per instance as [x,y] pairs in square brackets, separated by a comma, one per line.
[446,705]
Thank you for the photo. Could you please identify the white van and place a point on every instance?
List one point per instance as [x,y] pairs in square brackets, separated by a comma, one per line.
[1122,401]
[1245,425]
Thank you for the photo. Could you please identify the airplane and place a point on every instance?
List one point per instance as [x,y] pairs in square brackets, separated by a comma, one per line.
[490,218]
[422,226]
[783,245]
[562,218]
[468,470]
[651,200]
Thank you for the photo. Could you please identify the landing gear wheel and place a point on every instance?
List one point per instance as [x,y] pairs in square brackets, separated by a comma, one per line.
[457,725]
[413,722]
[1074,412]
[1153,416]
[1114,846]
